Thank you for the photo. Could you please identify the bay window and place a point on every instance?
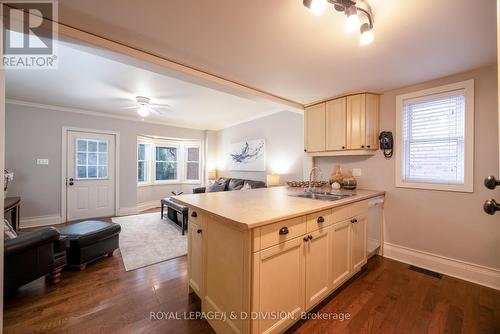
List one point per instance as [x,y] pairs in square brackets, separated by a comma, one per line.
[161,161]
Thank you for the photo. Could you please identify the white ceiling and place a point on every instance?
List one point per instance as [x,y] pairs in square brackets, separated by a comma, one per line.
[275,46]
[279,47]
[92,80]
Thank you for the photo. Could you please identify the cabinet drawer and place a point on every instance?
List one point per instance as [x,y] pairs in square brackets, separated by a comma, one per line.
[318,220]
[194,215]
[359,208]
[350,210]
[341,213]
[279,232]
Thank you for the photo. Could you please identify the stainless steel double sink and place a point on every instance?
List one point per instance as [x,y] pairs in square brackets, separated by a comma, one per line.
[323,196]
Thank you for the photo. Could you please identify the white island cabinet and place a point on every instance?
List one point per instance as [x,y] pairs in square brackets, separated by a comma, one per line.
[258,268]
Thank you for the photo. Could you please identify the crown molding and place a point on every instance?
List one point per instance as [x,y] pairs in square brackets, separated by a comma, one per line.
[51,107]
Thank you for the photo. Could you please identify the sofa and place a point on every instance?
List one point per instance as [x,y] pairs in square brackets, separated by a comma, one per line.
[229,184]
[32,255]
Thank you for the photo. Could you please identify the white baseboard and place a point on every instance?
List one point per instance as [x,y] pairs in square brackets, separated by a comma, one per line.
[127,211]
[467,271]
[39,221]
[148,205]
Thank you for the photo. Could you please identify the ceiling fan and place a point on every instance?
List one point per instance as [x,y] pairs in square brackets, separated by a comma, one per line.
[145,107]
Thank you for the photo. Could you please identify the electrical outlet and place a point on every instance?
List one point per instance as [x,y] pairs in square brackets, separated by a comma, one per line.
[42,161]
[356,172]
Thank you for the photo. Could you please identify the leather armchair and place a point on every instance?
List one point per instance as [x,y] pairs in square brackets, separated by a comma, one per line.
[32,255]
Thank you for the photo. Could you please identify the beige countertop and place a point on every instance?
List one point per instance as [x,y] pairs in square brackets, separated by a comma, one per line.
[248,209]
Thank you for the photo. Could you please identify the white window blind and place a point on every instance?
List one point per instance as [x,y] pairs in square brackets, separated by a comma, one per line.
[433,131]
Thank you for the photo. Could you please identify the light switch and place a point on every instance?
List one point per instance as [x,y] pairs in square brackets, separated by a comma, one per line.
[42,161]
[356,172]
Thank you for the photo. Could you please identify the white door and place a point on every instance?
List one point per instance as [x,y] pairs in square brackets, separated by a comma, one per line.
[90,175]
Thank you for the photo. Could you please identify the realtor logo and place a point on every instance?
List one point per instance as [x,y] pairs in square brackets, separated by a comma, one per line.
[29,34]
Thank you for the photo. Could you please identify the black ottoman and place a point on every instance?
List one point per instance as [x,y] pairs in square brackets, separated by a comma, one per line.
[90,240]
[174,208]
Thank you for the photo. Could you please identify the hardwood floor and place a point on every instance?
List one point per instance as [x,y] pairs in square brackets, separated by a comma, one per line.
[385,297]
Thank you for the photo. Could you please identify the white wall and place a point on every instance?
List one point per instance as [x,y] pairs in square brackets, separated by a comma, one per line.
[284,136]
[36,133]
[449,224]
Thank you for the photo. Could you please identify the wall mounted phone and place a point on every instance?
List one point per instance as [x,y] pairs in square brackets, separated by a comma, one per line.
[386,143]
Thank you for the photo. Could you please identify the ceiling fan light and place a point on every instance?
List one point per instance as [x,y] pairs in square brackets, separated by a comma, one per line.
[352,22]
[366,35]
[317,7]
[143,111]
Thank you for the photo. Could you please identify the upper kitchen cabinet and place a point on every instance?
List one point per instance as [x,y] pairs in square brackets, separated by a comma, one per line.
[343,126]
[314,122]
[336,118]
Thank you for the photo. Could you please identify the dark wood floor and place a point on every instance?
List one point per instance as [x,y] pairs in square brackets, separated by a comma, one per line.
[385,298]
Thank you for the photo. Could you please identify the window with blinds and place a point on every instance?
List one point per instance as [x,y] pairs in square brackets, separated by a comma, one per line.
[433,134]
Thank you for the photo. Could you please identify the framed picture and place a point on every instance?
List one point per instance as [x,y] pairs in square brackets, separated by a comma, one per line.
[249,155]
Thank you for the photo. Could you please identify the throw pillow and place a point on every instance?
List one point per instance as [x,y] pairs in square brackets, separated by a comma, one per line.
[8,231]
[215,188]
[246,186]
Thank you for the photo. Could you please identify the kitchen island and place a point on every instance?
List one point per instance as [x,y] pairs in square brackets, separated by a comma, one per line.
[259,259]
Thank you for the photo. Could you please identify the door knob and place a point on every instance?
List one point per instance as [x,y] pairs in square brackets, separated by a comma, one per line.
[71,181]
[283,231]
[491,182]
[321,219]
[491,206]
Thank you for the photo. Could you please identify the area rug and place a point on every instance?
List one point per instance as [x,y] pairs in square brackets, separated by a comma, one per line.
[146,239]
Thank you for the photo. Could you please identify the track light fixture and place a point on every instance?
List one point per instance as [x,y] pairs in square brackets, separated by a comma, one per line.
[353,21]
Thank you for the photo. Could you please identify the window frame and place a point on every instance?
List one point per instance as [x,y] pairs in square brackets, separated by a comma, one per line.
[147,180]
[165,144]
[185,162]
[87,152]
[468,185]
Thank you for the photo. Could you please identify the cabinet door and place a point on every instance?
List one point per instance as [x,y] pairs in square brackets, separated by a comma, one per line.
[314,131]
[195,257]
[318,262]
[358,241]
[279,284]
[336,124]
[371,121]
[356,122]
[341,253]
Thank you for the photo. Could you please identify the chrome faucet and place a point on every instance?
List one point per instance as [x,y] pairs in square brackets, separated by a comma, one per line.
[311,188]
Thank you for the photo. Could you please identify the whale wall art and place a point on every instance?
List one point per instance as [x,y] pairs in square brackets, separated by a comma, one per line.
[249,155]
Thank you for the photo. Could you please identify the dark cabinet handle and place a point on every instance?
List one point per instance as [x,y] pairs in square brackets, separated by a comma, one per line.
[309,237]
[306,239]
[194,214]
[368,146]
[343,147]
[362,146]
[354,220]
[305,150]
[491,182]
[199,231]
[491,206]
[284,230]
[321,219]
